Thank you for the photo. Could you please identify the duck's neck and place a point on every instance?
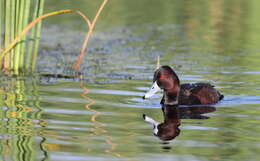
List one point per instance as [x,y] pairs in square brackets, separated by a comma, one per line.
[171,96]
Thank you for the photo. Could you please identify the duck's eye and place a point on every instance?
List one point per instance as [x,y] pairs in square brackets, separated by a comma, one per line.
[152,87]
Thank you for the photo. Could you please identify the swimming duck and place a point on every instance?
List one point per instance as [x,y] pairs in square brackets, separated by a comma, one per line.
[185,94]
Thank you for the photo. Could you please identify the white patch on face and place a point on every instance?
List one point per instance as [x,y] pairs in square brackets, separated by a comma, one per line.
[153,123]
[155,88]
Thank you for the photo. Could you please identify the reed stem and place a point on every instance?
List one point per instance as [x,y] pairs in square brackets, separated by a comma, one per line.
[2,11]
[37,36]
[22,21]
[7,32]
[15,26]
[1,18]
[31,37]
[26,17]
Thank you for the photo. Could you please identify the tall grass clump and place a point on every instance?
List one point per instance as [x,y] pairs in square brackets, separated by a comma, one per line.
[18,53]
[15,15]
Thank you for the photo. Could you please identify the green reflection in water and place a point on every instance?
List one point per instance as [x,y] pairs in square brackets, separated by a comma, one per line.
[20,119]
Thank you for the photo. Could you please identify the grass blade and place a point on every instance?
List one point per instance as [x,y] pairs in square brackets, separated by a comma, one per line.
[31,37]
[7,31]
[37,36]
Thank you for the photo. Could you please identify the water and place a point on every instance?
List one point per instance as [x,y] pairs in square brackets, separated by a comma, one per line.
[100,117]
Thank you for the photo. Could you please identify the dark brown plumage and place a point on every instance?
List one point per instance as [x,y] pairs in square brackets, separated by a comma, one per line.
[198,93]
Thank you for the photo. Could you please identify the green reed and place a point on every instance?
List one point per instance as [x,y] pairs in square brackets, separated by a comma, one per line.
[35,34]
[1,14]
[14,17]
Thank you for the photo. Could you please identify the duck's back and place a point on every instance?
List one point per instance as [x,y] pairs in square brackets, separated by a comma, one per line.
[198,93]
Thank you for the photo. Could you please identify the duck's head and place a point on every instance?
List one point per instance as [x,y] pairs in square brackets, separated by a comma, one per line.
[166,79]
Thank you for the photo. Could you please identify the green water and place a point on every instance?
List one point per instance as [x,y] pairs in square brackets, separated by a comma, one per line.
[100,117]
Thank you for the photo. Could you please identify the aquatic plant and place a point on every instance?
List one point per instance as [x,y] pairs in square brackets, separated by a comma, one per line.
[14,25]
[14,17]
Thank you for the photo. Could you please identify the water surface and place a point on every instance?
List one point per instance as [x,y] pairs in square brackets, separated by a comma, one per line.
[100,116]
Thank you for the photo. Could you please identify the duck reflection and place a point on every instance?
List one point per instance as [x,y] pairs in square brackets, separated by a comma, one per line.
[169,128]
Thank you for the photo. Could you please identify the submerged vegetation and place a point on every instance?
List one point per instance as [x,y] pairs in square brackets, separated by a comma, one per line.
[18,51]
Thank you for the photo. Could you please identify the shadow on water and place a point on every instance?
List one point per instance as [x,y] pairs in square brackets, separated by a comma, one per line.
[169,128]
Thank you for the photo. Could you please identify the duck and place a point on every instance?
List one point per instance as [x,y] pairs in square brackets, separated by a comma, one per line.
[175,93]
[170,127]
